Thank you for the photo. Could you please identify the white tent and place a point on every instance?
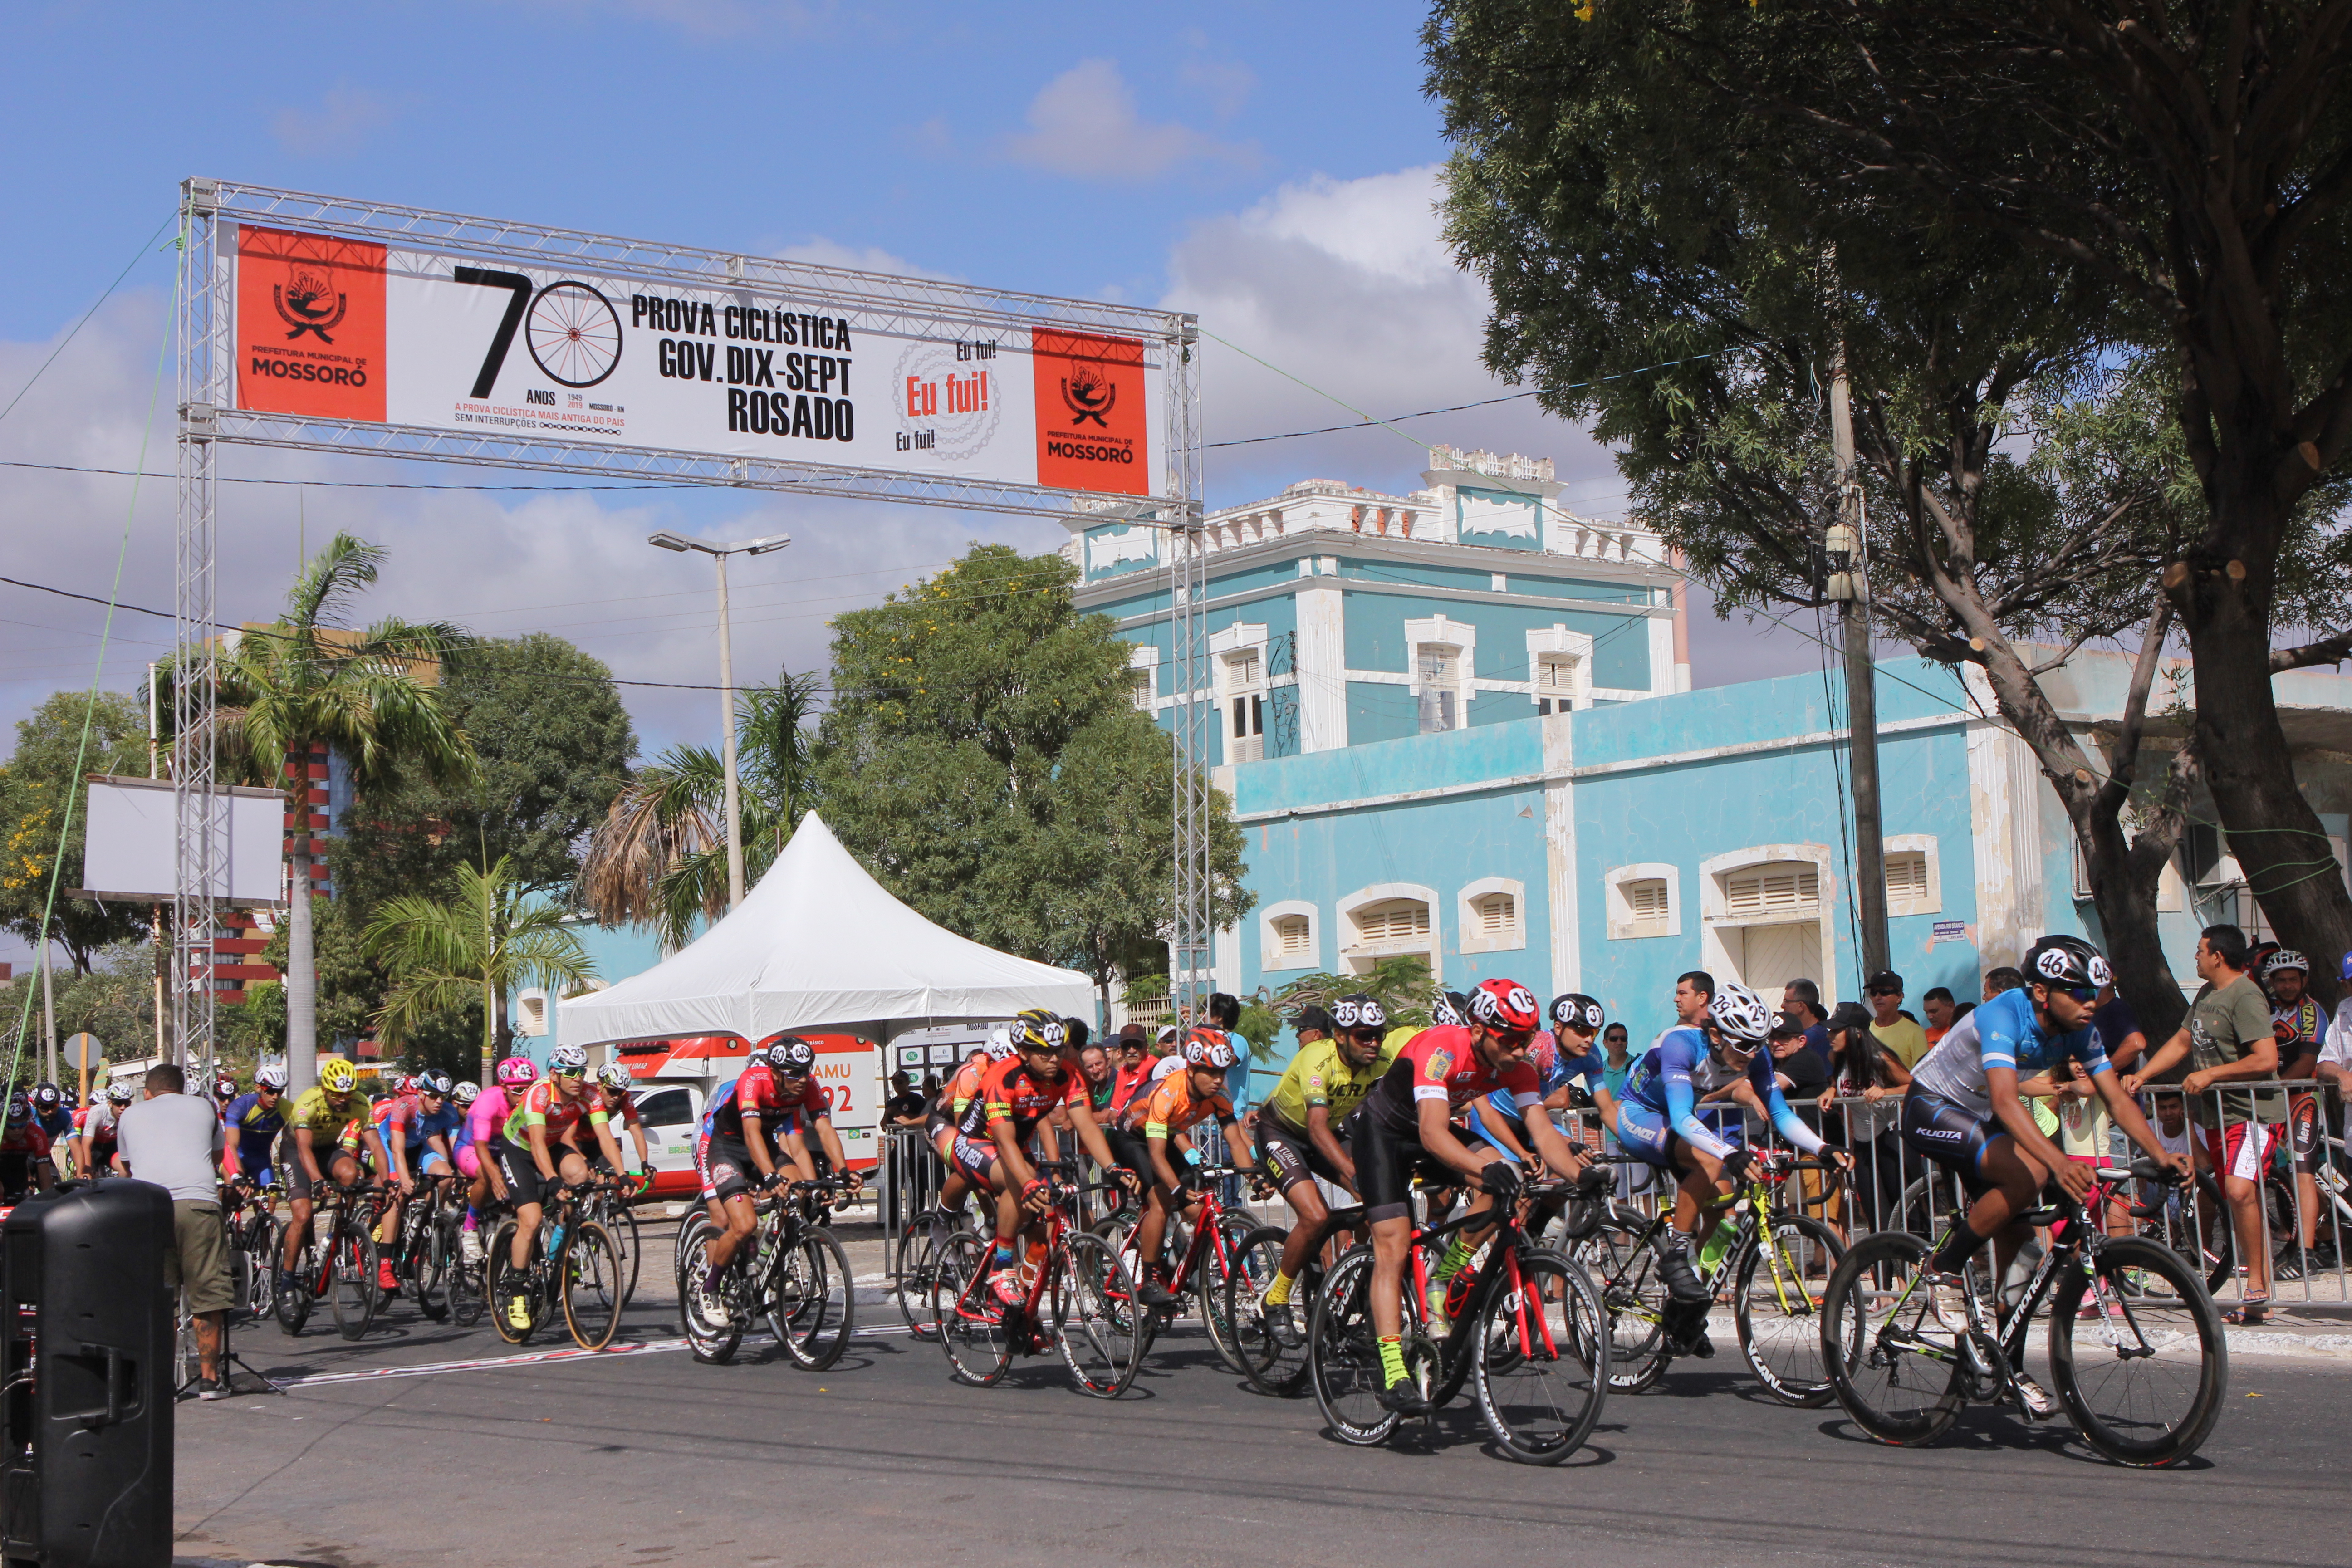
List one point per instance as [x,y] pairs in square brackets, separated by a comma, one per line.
[818,942]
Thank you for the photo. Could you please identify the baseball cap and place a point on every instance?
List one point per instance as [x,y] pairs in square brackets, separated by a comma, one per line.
[1884,979]
[1312,1018]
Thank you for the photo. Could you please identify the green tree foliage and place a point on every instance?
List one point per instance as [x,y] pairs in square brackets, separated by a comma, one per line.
[350,985]
[659,855]
[306,681]
[41,789]
[113,998]
[484,936]
[1402,986]
[984,756]
[552,746]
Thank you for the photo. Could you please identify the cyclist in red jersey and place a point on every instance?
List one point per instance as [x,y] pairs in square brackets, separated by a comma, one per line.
[809,1104]
[1015,1099]
[1408,1116]
[738,1156]
[955,1097]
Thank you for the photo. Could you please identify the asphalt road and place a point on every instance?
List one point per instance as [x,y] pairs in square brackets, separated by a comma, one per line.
[650,1459]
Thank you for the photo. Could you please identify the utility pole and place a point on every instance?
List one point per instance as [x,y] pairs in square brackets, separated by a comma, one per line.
[1849,586]
[48,1019]
[679,543]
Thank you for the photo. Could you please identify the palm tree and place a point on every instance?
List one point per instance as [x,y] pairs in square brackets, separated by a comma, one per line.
[660,856]
[489,935]
[306,681]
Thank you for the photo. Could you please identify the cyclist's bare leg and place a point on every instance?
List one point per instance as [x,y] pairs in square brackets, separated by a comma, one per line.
[2017,1179]
[1306,1201]
[732,1222]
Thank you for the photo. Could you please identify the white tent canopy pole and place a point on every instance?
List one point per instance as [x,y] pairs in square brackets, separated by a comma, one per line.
[819,942]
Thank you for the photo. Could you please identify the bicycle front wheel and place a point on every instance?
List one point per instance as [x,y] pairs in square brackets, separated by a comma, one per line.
[430,1268]
[352,1293]
[1343,1353]
[1625,1267]
[966,1319]
[911,1265]
[1776,1307]
[1543,1360]
[505,1283]
[1892,1351]
[595,1285]
[2136,1352]
[815,1304]
[1096,1320]
[1219,1255]
[1271,1341]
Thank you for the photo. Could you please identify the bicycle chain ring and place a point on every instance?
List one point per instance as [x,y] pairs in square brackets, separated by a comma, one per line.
[1986,1367]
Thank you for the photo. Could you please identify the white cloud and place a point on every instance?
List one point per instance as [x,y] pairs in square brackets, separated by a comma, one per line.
[342,121]
[1084,124]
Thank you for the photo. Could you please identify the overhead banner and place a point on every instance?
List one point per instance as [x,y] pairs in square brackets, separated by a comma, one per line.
[335,327]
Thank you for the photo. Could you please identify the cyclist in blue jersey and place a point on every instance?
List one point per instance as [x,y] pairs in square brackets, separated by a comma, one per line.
[1657,1120]
[1964,1113]
[253,1123]
[416,1130]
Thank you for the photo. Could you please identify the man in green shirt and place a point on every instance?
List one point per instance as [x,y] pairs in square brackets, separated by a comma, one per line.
[1900,1036]
[2228,1035]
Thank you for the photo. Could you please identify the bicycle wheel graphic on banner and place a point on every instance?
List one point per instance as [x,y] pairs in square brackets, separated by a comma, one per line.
[574,334]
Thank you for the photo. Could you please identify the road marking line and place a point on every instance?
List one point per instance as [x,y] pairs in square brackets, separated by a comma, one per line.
[536,1358]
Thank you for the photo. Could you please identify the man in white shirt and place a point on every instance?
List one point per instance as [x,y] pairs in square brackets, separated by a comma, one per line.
[174,1140]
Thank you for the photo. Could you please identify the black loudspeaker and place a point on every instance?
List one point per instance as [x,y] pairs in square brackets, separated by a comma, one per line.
[86,1389]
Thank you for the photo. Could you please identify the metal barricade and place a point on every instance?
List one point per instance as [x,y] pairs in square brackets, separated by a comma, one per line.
[910,1175]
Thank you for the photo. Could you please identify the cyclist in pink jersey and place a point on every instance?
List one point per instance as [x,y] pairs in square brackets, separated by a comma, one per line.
[483,1119]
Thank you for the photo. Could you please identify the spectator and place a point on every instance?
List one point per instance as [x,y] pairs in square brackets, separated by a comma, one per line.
[2001,980]
[2228,1035]
[1618,1060]
[1870,1081]
[1224,1011]
[905,1108]
[1896,1030]
[2119,1031]
[1803,998]
[1803,1074]
[2301,1029]
[1311,1024]
[1941,1013]
[174,1142]
[1102,1079]
[1075,1033]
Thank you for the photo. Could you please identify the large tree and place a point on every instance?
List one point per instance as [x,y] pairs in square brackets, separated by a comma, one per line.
[306,681]
[984,757]
[2188,166]
[43,790]
[552,746]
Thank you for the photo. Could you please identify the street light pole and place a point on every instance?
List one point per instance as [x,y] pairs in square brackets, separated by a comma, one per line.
[679,543]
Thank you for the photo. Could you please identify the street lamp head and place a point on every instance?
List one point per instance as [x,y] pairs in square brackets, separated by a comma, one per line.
[666,540]
[773,541]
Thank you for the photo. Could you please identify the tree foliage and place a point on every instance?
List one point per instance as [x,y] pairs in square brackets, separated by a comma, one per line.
[984,756]
[42,788]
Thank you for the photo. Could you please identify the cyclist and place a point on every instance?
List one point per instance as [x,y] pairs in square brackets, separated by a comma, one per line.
[24,1153]
[1182,1101]
[484,1118]
[322,1115]
[1299,1130]
[56,1119]
[737,1155]
[413,1130]
[614,1081]
[1658,1121]
[254,1121]
[809,1104]
[955,1095]
[992,1141]
[1406,1118]
[223,1090]
[2300,1026]
[541,1148]
[1964,1113]
[94,1153]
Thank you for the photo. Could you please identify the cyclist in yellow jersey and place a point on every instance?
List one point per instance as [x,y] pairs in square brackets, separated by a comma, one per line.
[1298,1128]
[321,1116]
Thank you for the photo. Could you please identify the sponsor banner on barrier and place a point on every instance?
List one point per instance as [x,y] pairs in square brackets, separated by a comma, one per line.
[337,329]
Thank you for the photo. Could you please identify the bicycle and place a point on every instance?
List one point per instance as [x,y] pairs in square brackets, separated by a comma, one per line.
[1528,1324]
[253,1236]
[426,1252]
[612,1206]
[1904,1362]
[915,1260]
[573,1262]
[343,1269]
[1080,1300]
[1204,1264]
[1273,1344]
[1774,1310]
[792,1272]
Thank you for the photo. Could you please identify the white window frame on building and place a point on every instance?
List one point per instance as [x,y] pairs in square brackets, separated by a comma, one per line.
[1627,920]
[1143,671]
[1275,921]
[1906,894]
[1455,643]
[1480,902]
[1240,654]
[1559,669]
[1725,934]
[1357,954]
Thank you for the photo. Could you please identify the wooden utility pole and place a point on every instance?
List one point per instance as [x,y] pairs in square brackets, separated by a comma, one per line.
[1849,586]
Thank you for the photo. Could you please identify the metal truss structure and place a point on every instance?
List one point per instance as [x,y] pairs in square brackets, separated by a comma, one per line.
[212,209]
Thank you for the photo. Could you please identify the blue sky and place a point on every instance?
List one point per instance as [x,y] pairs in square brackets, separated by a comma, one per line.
[1270,166]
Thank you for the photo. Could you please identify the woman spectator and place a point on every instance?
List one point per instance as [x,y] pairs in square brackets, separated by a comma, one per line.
[1862,1071]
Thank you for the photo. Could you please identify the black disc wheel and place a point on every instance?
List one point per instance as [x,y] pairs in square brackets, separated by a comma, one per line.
[815,1308]
[1543,1360]
[2137,1355]
[1891,1343]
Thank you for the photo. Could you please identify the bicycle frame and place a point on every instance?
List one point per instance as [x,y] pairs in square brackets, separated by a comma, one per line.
[1059,1216]
[1205,1234]
[1501,1269]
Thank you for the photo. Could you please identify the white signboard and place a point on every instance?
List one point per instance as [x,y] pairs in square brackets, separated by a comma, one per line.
[132,839]
[336,328]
